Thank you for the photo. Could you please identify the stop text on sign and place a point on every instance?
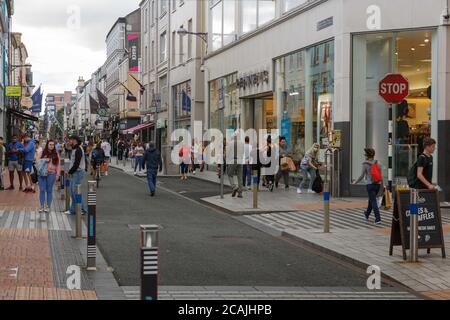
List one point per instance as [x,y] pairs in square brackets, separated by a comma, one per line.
[393,88]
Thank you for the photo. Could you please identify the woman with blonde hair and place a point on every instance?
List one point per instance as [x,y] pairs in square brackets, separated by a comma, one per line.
[309,166]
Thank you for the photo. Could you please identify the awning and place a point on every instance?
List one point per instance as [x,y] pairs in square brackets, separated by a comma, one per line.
[138,128]
[23,115]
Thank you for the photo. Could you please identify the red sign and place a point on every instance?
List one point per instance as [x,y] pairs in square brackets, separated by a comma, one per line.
[394,88]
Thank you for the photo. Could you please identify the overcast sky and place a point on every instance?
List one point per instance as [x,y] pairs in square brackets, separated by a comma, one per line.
[62,47]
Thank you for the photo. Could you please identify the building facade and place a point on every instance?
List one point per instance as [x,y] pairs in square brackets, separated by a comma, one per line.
[171,69]
[311,68]
[6,12]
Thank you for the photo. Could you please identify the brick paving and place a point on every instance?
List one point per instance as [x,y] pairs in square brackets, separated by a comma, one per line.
[26,261]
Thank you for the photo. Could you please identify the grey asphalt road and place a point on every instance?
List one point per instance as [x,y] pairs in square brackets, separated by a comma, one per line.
[200,246]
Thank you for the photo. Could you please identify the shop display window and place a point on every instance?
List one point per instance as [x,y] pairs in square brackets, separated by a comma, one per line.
[374,55]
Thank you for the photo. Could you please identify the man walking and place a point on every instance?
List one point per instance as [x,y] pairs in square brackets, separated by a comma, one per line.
[424,173]
[14,159]
[29,149]
[77,172]
[153,163]
[107,149]
[235,167]
[2,162]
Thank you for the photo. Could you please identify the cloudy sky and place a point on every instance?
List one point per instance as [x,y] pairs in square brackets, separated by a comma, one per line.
[65,39]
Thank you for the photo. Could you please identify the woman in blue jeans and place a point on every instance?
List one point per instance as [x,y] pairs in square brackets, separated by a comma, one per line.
[308,167]
[373,188]
[46,183]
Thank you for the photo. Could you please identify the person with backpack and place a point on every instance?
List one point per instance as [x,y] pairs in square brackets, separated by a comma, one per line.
[421,174]
[371,172]
[97,159]
[49,170]
[76,172]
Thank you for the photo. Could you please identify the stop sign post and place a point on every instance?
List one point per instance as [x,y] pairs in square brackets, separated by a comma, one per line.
[394,88]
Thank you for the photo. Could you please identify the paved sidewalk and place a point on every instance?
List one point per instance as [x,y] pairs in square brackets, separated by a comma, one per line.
[361,243]
[37,248]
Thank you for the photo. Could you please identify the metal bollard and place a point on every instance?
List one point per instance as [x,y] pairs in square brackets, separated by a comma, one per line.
[67,181]
[255,189]
[149,262]
[78,206]
[414,227]
[92,227]
[326,204]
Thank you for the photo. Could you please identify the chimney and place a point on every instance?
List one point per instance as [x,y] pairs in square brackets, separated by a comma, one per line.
[81,82]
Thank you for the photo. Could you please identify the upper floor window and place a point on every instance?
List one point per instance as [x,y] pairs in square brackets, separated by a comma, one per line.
[164,4]
[256,13]
[223,25]
[163,47]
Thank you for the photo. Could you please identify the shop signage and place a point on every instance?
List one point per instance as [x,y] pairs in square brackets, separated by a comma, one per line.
[13,91]
[430,222]
[133,44]
[337,139]
[27,102]
[394,88]
[161,124]
[255,79]
[323,24]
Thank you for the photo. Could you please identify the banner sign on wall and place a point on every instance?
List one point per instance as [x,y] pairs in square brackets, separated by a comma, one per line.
[133,45]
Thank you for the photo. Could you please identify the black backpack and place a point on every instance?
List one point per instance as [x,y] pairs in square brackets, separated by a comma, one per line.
[412,174]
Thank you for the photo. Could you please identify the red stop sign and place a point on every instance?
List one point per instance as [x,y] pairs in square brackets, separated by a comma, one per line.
[394,88]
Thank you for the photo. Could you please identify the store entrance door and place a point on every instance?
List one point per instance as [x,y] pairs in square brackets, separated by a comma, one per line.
[260,113]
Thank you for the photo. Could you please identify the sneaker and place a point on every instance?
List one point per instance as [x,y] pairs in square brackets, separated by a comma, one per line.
[310,191]
[299,191]
[234,193]
[240,195]
[152,194]
[135,174]
[106,173]
[366,215]
[10,188]
[69,213]
[41,210]
[47,210]
[378,222]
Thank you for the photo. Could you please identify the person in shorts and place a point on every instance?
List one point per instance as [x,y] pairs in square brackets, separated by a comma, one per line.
[2,162]
[29,149]
[14,161]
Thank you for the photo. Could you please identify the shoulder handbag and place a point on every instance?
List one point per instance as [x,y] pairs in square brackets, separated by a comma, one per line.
[42,167]
[317,186]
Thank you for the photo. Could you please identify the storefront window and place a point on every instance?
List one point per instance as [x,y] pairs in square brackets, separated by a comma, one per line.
[374,56]
[304,90]
[182,105]
[225,111]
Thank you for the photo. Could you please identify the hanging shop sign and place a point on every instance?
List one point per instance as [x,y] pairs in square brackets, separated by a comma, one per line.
[13,91]
[133,44]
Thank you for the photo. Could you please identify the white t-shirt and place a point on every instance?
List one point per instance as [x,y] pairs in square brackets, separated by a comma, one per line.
[107,149]
[247,153]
